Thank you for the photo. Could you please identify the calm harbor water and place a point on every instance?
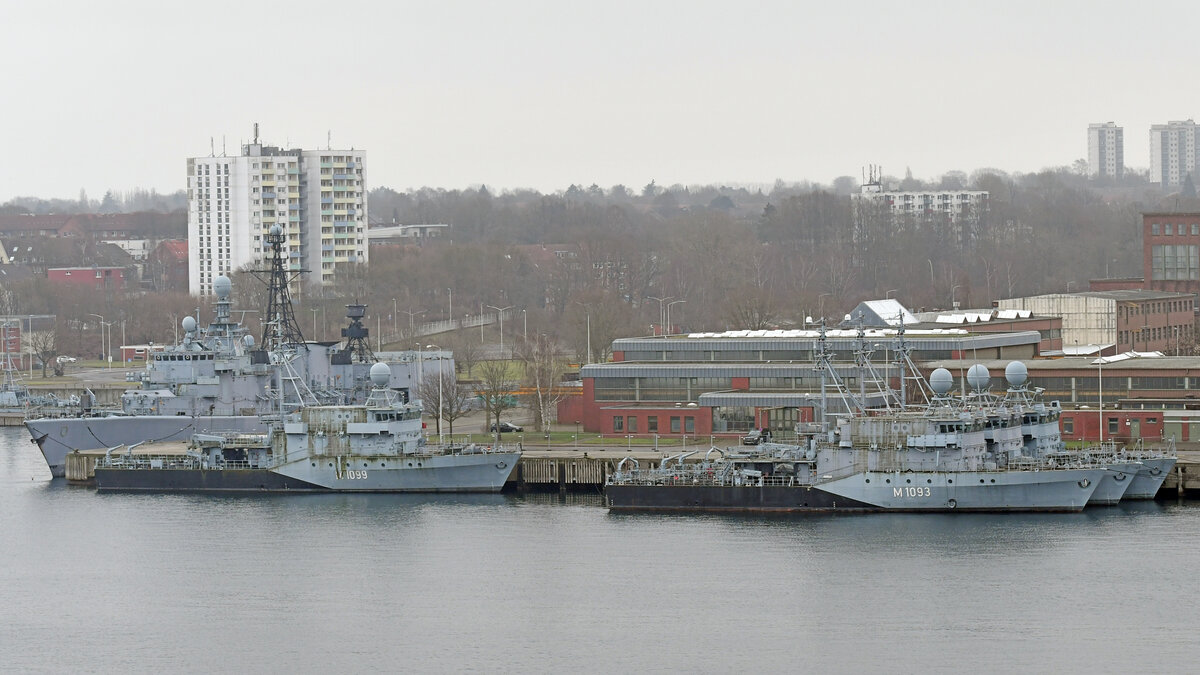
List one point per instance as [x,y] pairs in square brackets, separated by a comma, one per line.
[117,582]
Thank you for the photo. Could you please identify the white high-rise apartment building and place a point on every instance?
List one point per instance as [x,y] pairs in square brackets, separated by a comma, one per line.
[1106,150]
[318,197]
[1173,153]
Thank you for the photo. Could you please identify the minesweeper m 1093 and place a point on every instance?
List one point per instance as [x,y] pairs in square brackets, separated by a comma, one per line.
[377,446]
[947,455]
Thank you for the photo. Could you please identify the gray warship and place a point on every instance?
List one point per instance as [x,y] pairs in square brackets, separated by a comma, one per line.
[219,379]
[944,456]
[1131,473]
[936,459]
[377,446]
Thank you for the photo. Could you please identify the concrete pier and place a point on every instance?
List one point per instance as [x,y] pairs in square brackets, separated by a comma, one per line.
[1184,480]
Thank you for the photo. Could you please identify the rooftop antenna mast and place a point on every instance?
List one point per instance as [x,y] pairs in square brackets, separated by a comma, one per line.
[256,133]
[280,320]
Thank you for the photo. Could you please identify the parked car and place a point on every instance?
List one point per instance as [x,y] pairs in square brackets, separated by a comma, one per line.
[507,427]
[755,437]
[66,359]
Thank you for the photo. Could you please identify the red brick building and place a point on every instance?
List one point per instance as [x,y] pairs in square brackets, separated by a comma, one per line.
[1171,251]
[93,277]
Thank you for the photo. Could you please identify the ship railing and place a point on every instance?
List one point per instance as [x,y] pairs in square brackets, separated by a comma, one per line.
[148,462]
[170,462]
[706,478]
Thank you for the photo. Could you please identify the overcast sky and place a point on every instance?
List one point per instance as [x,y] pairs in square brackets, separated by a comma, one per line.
[116,95]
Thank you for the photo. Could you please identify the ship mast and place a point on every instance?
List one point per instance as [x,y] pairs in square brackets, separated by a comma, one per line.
[280,321]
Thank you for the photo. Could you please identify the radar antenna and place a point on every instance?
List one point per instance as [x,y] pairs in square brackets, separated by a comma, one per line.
[280,320]
[356,334]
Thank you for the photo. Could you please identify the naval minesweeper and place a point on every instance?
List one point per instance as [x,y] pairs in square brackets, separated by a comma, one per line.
[936,458]
[1131,473]
[377,446]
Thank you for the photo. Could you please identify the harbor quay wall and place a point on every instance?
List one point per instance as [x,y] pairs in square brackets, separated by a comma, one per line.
[548,470]
[561,470]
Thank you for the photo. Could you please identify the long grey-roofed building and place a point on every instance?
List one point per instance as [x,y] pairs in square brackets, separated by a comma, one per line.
[704,384]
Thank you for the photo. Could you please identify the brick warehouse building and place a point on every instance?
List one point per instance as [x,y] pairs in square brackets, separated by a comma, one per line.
[724,384]
[1171,252]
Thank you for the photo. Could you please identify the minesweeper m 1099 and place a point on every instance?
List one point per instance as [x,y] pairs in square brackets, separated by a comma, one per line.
[374,447]
[219,380]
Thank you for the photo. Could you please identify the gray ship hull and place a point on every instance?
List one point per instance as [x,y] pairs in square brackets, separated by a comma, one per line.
[917,491]
[1045,490]
[57,437]
[484,472]
[1114,484]
[1150,477]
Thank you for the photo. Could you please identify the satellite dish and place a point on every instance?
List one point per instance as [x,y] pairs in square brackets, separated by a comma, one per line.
[276,230]
[381,374]
[941,381]
[978,377]
[1016,373]
[221,286]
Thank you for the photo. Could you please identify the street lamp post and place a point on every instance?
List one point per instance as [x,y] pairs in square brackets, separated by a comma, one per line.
[450,309]
[107,343]
[101,332]
[314,310]
[395,316]
[1100,363]
[888,295]
[525,320]
[411,314]
[661,313]
[953,302]
[669,326]
[501,311]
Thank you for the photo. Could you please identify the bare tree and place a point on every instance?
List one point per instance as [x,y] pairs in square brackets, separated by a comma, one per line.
[496,388]
[543,370]
[467,352]
[445,397]
[41,344]
[750,309]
